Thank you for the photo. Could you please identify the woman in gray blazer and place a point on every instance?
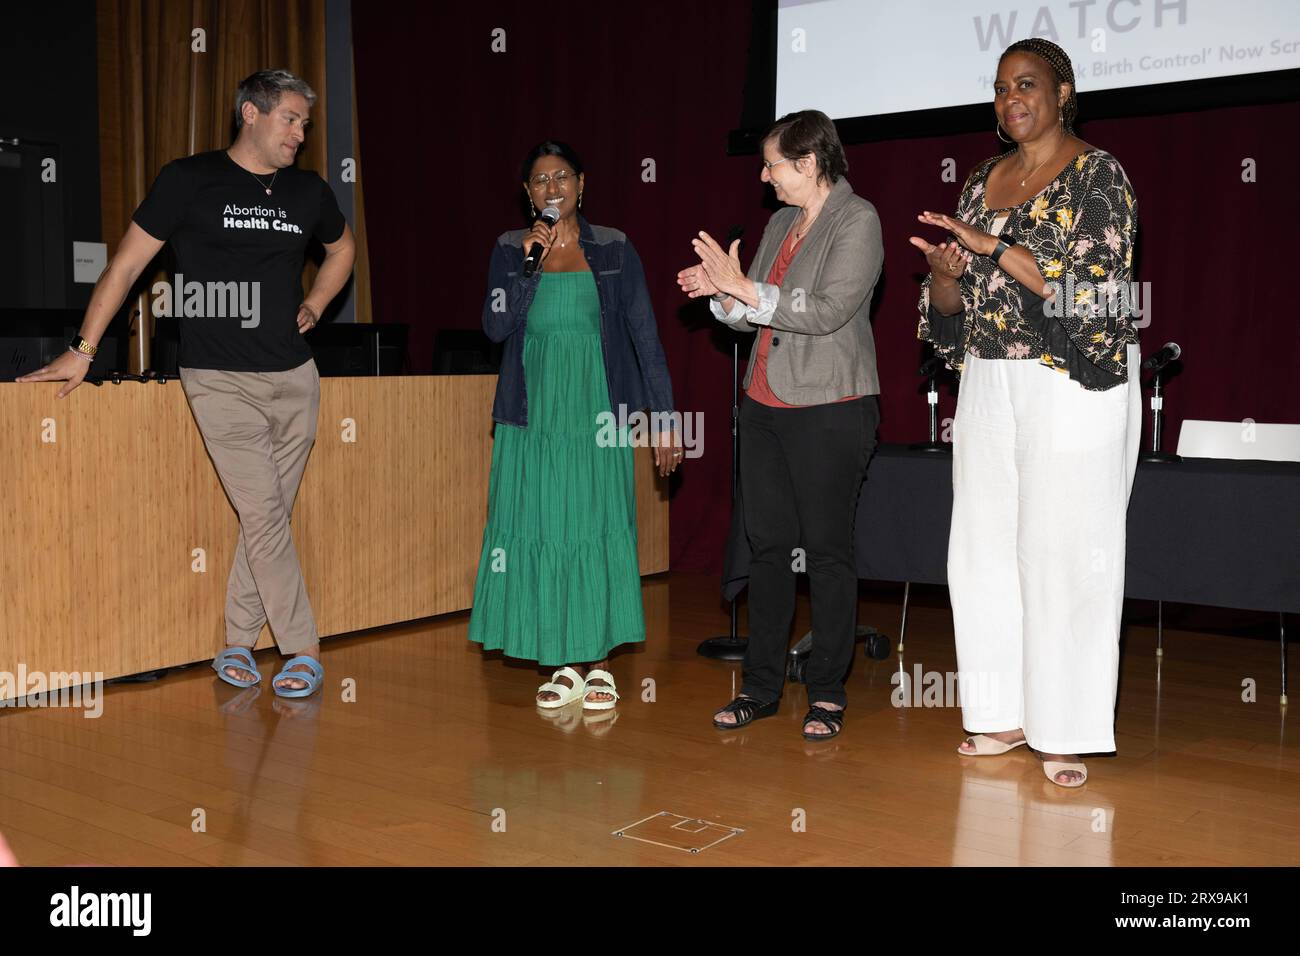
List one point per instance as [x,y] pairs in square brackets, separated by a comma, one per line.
[808,421]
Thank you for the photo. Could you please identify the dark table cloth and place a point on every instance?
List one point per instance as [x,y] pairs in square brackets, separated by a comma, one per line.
[1200,531]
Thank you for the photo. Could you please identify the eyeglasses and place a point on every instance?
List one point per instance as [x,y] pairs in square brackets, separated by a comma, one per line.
[562,179]
[768,166]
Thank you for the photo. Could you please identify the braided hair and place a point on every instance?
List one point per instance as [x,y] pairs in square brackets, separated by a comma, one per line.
[1062,69]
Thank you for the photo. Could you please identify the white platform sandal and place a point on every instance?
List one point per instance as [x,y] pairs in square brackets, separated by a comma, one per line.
[607,688]
[567,694]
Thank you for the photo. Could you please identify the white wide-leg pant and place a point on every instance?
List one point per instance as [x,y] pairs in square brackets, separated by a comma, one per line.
[1042,470]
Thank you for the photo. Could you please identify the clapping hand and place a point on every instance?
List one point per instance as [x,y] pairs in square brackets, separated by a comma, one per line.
[722,269]
[695,282]
[947,259]
[975,240]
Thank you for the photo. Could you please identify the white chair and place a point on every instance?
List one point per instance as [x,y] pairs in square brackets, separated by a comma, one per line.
[1239,440]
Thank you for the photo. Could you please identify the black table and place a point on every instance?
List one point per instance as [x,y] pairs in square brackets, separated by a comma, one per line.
[1200,531]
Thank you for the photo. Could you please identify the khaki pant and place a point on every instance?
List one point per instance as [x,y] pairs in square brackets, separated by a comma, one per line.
[259,428]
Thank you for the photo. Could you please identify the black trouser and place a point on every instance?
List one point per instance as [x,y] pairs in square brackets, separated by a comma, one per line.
[801,470]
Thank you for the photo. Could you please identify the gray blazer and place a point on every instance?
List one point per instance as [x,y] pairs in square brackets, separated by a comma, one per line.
[822,347]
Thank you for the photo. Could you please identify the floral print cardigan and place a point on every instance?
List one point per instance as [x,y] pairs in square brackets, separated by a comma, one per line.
[1080,228]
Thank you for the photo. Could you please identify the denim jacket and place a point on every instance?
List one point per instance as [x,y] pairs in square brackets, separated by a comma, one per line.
[635,368]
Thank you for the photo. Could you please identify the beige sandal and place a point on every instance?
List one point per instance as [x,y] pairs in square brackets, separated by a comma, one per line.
[1053,767]
[986,746]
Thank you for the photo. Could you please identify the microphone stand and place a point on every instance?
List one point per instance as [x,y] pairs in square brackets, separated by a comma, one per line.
[1156,456]
[934,446]
[1157,420]
[730,646]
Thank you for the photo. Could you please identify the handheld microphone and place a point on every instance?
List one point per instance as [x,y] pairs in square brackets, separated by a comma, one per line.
[1162,358]
[549,215]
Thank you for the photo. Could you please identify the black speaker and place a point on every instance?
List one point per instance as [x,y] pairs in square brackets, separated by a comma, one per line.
[165,349]
[359,348]
[465,352]
[32,338]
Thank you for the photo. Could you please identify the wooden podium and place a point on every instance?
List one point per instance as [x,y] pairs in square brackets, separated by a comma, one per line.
[119,538]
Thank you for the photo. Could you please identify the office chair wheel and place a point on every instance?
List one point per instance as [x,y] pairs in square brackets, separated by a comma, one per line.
[876,645]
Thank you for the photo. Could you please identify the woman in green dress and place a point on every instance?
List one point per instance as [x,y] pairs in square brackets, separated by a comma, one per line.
[558,580]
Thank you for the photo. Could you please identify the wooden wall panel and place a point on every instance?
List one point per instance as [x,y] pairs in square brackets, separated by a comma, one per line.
[102,523]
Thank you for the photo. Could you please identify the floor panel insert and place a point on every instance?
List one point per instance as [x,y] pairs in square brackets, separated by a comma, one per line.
[678,832]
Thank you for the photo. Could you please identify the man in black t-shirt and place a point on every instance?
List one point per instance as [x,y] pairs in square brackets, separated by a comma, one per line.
[239,221]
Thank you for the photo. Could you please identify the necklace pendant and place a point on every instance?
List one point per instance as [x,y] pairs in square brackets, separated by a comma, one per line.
[268,192]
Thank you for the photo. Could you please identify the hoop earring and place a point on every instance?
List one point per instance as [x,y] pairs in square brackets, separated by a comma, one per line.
[998,127]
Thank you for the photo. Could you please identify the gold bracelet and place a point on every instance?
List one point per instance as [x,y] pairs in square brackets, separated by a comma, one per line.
[82,347]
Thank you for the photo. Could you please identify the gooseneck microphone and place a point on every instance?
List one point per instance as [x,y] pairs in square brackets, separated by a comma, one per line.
[549,215]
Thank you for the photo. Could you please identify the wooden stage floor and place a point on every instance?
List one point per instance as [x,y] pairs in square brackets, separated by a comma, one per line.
[442,758]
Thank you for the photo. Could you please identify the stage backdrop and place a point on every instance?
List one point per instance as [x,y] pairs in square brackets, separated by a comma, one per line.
[451,98]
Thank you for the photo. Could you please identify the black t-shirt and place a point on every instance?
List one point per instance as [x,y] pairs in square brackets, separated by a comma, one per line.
[239,257]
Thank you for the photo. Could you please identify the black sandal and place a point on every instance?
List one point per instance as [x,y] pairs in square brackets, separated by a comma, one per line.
[833,719]
[746,710]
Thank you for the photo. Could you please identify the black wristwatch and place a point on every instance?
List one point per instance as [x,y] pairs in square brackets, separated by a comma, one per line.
[1002,246]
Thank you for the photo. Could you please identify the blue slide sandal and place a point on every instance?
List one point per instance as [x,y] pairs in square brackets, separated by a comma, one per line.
[313,679]
[241,657]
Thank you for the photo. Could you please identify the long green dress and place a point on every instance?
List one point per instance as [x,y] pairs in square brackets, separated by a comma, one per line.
[558,579]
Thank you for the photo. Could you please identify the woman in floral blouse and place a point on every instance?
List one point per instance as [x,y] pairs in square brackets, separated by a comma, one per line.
[1029,300]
